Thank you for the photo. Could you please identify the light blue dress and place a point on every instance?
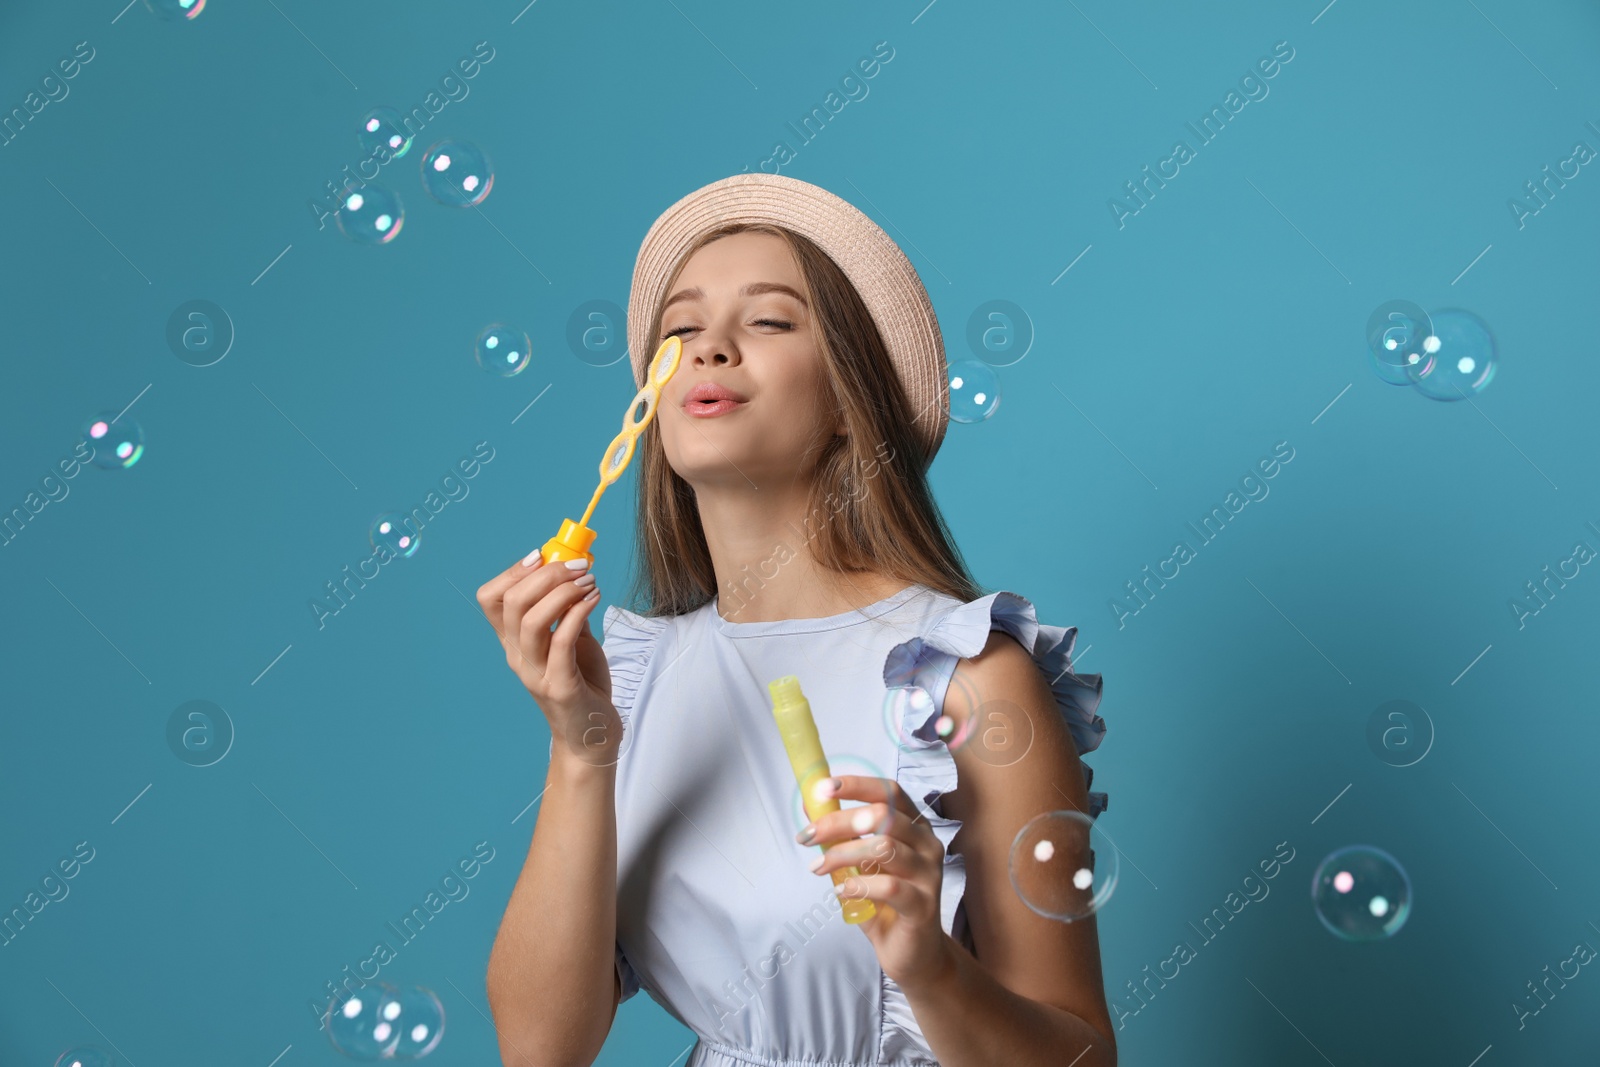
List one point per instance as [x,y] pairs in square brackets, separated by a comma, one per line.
[718,917]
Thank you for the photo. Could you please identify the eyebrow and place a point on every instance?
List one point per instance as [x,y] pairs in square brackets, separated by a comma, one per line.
[753,289]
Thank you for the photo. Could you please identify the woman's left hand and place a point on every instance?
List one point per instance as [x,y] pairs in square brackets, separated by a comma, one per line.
[901,862]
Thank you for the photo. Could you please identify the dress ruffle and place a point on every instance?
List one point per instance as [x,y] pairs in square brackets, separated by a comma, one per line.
[630,641]
[927,770]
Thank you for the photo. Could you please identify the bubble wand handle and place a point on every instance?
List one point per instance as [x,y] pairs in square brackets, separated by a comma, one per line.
[572,541]
[792,712]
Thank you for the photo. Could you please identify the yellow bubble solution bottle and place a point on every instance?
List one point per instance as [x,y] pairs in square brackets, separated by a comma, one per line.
[574,538]
[792,712]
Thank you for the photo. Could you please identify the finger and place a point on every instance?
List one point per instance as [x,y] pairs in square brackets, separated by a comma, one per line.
[874,855]
[905,896]
[535,583]
[892,806]
[562,666]
[867,787]
[848,823]
[533,629]
[491,594]
[916,837]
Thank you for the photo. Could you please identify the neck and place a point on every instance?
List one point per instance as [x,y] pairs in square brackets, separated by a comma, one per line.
[763,546]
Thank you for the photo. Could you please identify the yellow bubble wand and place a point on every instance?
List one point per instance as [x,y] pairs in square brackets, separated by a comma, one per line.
[574,538]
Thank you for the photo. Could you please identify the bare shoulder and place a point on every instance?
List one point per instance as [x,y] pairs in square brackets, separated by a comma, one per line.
[1014,731]
[1018,761]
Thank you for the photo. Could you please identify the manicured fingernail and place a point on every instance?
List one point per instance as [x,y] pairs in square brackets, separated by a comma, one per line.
[805,836]
[586,580]
[830,786]
[862,821]
[532,559]
[816,864]
[577,564]
[591,594]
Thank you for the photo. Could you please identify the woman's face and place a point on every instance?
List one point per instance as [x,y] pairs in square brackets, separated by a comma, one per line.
[739,307]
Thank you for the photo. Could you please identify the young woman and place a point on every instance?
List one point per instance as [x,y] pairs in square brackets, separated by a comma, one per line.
[785,526]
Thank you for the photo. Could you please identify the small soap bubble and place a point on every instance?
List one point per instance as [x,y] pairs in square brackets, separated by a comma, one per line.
[85,1056]
[361,1025]
[456,173]
[393,530]
[118,441]
[1459,357]
[912,722]
[974,391]
[502,350]
[371,214]
[1063,866]
[1361,893]
[838,764]
[1396,332]
[176,10]
[418,1017]
[383,127]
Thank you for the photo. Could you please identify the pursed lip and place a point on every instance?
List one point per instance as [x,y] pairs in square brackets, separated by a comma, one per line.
[710,397]
[700,410]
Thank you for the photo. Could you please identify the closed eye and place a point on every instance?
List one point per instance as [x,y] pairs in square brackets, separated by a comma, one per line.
[757,322]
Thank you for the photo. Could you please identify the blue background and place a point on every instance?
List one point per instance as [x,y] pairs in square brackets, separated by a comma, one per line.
[1223,318]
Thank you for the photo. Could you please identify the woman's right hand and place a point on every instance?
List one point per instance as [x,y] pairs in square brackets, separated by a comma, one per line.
[565,671]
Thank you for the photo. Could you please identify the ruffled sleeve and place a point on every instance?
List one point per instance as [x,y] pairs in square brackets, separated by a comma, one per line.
[923,667]
[927,663]
[629,642]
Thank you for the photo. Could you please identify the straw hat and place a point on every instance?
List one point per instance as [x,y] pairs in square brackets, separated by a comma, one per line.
[881,273]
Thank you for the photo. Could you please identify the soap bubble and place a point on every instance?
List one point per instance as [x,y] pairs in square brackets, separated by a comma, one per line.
[419,1017]
[502,351]
[361,1024]
[371,214]
[1396,330]
[384,127]
[1459,357]
[838,764]
[394,529]
[456,173]
[906,717]
[1063,866]
[118,441]
[974,391]
[1361,893]
[176,10]
[85,1056]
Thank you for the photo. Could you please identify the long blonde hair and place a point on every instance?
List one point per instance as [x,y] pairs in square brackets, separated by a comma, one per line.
[877,512]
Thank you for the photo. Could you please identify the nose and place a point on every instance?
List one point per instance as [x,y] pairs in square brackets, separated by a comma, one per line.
[712,350]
